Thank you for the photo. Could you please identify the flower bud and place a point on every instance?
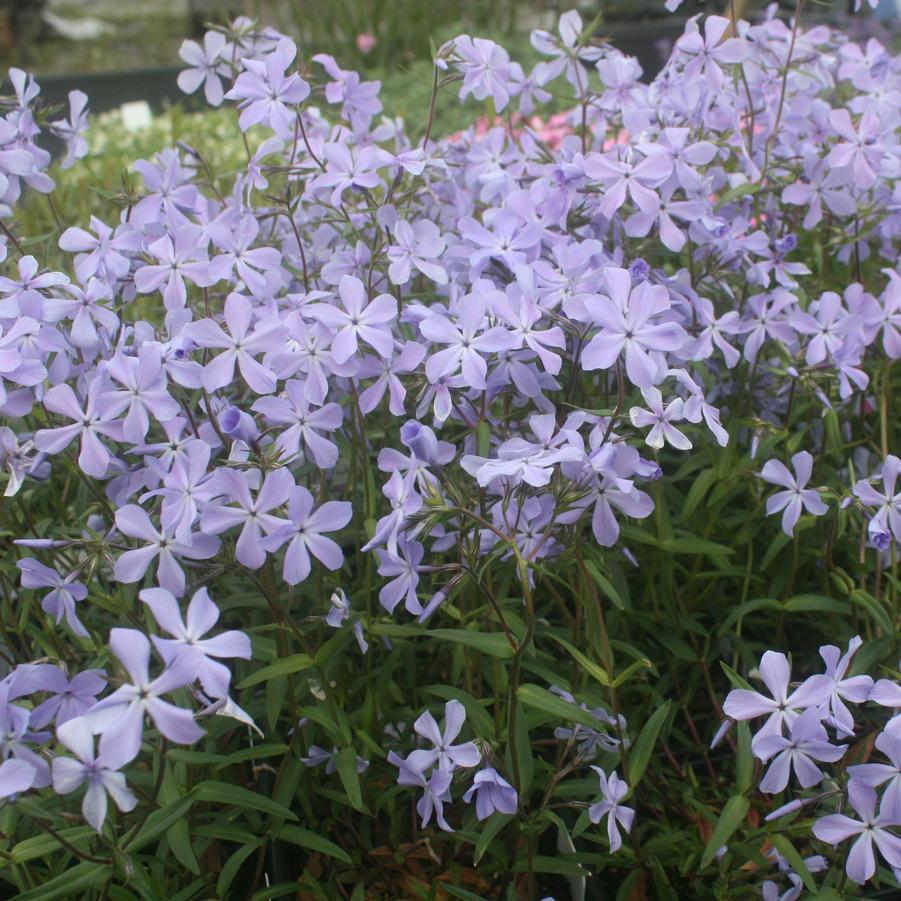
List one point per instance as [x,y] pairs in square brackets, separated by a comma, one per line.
[420,440]
[238,425]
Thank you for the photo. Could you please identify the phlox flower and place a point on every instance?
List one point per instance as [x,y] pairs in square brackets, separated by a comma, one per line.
[661,419]
[486,70]
[304,534]
[416,246]
[444,754]
[842,687]
[251,513]
[613,790]
[61,601]
[492,793]
[781,708]
[100,772]
[886,522]
[240,345]
[465,340]
[266,93]
[302,423]
[887,774]
[796,497]
[207,64]
[872,829]
[629,325]
[16,776]
[89,424]
[68,698]
[187,640]
[72,130]
[435,789]
[359,320]
[119,717]
[568,55]
[807,742]
[159,545]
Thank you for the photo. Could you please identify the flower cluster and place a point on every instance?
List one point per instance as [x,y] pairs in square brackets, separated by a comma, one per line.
[393,368]
[794,740]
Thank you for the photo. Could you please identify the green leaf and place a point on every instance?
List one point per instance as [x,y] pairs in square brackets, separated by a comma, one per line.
[605,585]
[279,890]
[312,841]
[234,863]
[85,875]
[593,669]
[730,819]
[524,756]
[194,758]
[338,729]
[258,752]
[694,545]
[733,677]
[633,667]
[790,853]
[640,752]
[179,840]
[777,544]
[285,666]
[397,630]
[493,825]
[559,865]
[738,192]
[160,821]
[699,487]
[456,892]
[873,608]
[541,699]
[483,438]
[742,610]
[346,762]
[744,763]
[41,845]
[814,603]
[494,644]
[627,885]
[236,796]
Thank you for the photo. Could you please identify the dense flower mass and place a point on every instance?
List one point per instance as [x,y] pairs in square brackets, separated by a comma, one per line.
[461,387]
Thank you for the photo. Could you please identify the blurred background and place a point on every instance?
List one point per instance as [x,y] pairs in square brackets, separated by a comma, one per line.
[124,55]
[86,36]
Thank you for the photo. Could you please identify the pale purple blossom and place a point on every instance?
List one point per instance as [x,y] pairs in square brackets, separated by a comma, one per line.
[444,755]
[613,791]
[795,497]
[872,829]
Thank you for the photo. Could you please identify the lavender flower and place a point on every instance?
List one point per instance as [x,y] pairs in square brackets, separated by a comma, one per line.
[119,717]
[871,829]
[492,793]
[266,93]
[188,642]
[807,742]
[435,789]
[796,497]
[207,66]
[304,534]
[61,601]
[444,754]
[629,326]
[100,772]
[613,790]
[782,708]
